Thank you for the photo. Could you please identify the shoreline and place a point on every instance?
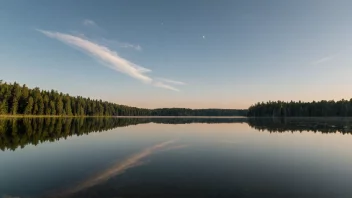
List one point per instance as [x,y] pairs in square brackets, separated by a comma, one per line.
[215,117]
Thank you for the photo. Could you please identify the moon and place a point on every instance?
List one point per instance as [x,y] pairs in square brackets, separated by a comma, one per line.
[203,37]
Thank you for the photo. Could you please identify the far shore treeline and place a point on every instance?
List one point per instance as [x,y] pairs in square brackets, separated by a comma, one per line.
[341,108]
[19,100]
[16,99]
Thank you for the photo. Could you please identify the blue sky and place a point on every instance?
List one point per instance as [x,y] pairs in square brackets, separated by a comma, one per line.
[197,54]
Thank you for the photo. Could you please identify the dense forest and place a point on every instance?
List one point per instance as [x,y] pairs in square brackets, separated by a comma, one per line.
[16,99]
[341,108]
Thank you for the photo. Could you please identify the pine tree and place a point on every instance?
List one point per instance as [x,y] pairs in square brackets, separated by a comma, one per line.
[47,110]
[59,107]
[29,107]
[41,106]
[23,99]
[3,107]
[67,105]
[15,96]
[52,107]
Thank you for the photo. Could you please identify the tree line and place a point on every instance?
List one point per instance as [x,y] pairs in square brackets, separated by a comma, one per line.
[16,99]
[341,108]
[19,99]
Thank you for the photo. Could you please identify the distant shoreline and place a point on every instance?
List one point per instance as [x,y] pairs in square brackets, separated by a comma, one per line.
[213,117]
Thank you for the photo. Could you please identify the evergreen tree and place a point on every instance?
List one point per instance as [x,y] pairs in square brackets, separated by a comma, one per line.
[16,99]
[15,96]
[29,107]
[67,105]
[46,101]
[23,99]
[41,106]
[3,107]
[52,107]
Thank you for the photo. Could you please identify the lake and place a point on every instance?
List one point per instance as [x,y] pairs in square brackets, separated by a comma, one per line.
[175,157]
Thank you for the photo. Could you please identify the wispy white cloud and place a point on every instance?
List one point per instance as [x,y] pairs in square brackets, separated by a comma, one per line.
[115,43]
[88,22]
[104,54]
[165,86]
[171,81]
[344,52]
[128,45]
[108,57]
[324,59]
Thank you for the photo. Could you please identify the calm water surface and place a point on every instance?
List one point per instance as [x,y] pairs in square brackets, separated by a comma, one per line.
[122,158]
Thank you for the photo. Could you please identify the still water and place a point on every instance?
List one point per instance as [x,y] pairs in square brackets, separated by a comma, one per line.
[210,157]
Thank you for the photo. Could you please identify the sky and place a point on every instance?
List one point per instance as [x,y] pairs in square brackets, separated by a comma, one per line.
[194,54]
